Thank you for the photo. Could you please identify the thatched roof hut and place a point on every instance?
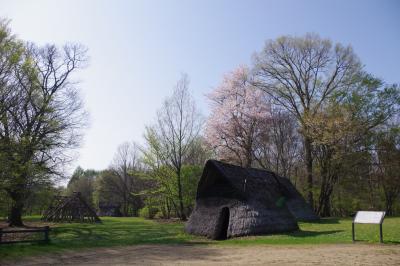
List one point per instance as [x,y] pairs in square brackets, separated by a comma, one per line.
[234,201]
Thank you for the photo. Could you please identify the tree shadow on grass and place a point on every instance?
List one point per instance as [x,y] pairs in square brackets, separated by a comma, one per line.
[325,221]
[369,241]
[119,234]
[81,233]
[391,242]
[304,233]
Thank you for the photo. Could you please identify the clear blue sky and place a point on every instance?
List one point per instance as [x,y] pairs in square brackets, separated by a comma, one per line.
[139,48]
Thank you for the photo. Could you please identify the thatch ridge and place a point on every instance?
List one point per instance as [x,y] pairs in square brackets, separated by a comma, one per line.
[256,178]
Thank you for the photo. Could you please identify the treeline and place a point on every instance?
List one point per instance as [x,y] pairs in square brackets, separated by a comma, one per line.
[158,178]
[306,109]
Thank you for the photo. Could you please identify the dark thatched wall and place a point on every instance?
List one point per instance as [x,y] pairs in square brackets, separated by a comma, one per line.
[244,218]
[259,202]
[297,205]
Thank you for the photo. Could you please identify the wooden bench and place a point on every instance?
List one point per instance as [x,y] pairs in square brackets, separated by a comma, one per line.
[45,230]
[368,217]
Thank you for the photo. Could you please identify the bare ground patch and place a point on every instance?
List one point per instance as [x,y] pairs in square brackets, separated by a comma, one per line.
[357,254]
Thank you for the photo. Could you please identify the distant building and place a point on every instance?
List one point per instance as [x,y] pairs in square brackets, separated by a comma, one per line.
[109,209]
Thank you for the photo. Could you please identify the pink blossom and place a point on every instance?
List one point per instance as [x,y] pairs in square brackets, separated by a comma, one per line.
[239,113]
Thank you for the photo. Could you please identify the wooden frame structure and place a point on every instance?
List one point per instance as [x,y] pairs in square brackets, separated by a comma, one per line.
[70,209]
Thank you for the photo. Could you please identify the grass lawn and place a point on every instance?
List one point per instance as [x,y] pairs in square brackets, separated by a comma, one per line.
[133,231]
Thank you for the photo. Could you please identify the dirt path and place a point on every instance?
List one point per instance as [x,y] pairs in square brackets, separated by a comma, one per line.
[358,254]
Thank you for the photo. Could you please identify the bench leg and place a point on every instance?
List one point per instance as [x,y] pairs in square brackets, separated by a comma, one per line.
[352,232]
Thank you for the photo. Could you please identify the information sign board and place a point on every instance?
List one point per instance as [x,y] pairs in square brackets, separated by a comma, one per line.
[368,217]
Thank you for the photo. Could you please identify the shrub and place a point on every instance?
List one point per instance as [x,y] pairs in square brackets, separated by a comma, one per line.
[148,212]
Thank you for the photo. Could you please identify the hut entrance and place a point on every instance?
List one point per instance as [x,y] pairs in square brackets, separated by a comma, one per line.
[222,225]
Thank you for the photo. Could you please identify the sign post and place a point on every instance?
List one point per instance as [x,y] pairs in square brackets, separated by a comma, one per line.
[368,217]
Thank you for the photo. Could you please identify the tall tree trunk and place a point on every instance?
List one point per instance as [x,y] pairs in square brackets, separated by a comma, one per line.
[389,199]
[309,167]
[181,209]
[15,216]
[324,197]
[124,189]
[249,161]
[168,209]
[329,178]
[324,202]
[326,209]
[389,210]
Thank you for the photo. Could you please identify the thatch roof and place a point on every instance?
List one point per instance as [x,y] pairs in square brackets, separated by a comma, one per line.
[257,202]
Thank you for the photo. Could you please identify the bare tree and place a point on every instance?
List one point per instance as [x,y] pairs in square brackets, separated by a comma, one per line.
[41,118]
[301,74]
[198,153]
[177,128]
[279,146]
[124,167]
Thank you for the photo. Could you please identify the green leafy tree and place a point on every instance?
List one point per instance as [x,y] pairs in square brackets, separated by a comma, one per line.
[83,181]
[41,114]
[190,178]
[301,74]
[161,189]
[343,129]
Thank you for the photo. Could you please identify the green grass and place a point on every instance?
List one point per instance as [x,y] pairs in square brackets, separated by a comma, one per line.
[134,231]
[329,231]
